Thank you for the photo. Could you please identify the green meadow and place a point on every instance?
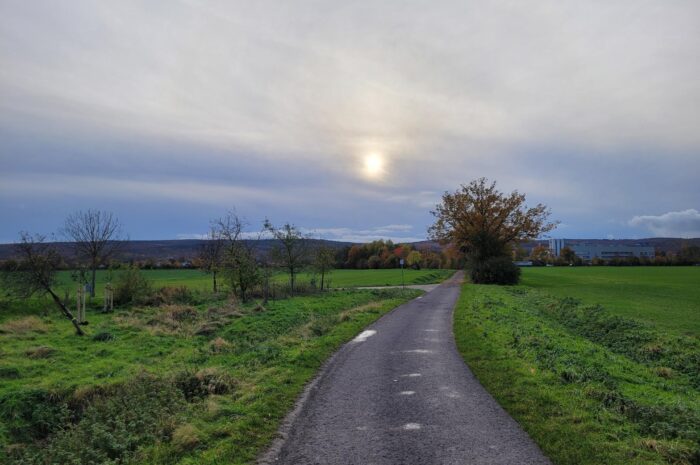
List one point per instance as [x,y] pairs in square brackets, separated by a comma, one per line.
[197,378]
[667,297]
[599,365]
[197,280]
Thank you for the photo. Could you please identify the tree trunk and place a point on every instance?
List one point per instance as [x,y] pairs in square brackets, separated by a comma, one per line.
[291,281]
[323,274]
[94,274]
[67,313]
[266,288]
[214,278]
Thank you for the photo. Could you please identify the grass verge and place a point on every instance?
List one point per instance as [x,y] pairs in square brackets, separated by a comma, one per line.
[580,381]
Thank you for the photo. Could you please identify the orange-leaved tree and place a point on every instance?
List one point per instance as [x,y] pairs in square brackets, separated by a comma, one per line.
[485,224]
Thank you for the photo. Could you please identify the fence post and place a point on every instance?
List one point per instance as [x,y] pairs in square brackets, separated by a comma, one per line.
[108,298]
[80,302]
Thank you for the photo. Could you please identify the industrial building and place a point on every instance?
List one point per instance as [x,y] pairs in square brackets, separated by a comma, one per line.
[589,251]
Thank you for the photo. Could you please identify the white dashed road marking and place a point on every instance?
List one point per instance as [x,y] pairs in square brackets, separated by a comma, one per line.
[362,337]
[411,426]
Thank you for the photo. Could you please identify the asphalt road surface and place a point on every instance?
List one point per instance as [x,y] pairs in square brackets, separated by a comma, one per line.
[400,393]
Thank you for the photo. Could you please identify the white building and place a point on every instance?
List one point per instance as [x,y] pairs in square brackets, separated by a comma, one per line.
[588,251]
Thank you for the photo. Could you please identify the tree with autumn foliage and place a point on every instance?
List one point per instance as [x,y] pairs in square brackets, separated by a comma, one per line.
[486,224]
[540,255]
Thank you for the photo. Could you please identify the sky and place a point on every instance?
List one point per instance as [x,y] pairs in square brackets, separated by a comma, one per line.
[348,119]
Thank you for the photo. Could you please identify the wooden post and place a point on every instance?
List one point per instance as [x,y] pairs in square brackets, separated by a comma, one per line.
[82,315]
[108,298]
[79,302]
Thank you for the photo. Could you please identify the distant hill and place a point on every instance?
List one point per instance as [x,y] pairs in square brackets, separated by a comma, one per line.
[166,249]
[189,248]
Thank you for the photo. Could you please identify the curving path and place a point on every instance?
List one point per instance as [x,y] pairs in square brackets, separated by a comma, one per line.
[400,393]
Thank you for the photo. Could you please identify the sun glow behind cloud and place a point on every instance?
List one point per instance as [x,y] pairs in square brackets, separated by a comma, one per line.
[373,166]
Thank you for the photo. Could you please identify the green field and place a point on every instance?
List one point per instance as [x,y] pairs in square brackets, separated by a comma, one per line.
[599,365]
[196,280]
[668,297]
[201,382]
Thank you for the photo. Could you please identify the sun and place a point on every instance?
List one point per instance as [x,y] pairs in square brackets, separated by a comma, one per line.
[373,165]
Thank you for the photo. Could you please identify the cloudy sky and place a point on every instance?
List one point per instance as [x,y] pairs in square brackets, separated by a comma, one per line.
[348,118]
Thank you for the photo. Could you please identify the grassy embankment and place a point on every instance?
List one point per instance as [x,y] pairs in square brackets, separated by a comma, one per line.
[203,381]
[590,384]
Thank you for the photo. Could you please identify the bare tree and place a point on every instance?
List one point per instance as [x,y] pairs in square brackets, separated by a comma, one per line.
[292,251]
[211,254]
[324,258]
[35,273]
[96,236]
[238,259]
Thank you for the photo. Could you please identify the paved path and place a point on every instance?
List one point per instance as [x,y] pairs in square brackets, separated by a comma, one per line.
[401,394]
[420,287]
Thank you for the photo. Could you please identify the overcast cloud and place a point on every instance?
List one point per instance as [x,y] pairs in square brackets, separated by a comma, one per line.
[170,113]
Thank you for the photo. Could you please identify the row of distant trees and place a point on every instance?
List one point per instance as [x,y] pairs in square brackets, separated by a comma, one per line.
[387,254]
[380,254]
[541,256]
[96,238]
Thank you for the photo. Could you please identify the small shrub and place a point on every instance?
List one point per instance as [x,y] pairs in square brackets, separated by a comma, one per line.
[103,336]
[24,326]
[39,352]
[131,286]
[496,270]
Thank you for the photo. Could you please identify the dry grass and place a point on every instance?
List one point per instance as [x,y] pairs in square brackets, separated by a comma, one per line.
[181,320]
[347,314]
[24,325]
[259,308]
[185,437]
[168,319]
[39,352]
[664,372]
[220,346]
